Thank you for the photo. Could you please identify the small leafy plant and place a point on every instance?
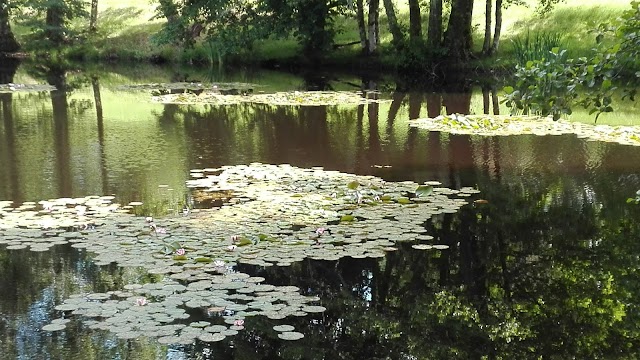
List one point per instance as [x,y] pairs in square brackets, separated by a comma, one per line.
[635,200]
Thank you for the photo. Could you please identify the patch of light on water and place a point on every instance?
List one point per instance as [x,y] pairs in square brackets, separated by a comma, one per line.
[28,329]
[175,354]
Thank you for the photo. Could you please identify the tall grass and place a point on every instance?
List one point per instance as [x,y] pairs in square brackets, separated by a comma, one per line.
[535,47]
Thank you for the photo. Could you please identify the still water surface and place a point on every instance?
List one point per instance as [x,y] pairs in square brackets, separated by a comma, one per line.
[547,268]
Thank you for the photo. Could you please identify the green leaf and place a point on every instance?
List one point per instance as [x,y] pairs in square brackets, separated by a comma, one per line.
[424,190]
[606,84]
[508,89]
[347,218]
[353,185]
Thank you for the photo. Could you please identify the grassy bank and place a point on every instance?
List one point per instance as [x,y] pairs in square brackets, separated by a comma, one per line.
[125,31]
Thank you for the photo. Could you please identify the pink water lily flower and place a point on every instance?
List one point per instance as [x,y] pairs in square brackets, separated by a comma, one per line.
[320,230]
[238,322]
[231,248]
[181,252]
[161,230]
[141,302]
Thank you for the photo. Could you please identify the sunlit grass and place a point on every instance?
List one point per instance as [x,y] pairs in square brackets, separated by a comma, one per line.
[126,28]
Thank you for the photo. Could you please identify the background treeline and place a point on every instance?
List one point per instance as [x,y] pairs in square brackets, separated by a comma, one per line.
[414,32]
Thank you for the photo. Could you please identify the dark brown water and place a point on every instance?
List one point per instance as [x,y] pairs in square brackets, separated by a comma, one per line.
[548,268]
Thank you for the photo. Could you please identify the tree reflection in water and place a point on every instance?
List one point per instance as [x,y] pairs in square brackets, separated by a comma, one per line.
[546,266]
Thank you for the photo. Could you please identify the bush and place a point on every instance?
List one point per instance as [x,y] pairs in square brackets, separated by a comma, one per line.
[552,85]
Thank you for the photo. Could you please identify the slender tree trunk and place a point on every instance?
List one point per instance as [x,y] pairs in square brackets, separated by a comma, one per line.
[495,101]
[498,29]
[396,104]
[434,104]
[415,21]
[362,27]
[372,23]
[434,37]
[93,19]
[486,46]
[8,43]
[394,28]
[485,100]
[57,77]
[458,36]
[10,175]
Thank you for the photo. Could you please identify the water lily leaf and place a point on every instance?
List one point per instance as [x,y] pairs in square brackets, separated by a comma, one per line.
[424,190]
[313,308]
[54,327]
[209,337]
[422,246]
[353,185]
[291,335]
[440,247]
[347,218]
[283,328]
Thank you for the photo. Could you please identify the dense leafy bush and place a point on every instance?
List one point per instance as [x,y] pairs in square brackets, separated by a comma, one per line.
[554,84]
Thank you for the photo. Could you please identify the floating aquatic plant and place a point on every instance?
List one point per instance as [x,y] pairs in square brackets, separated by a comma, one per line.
[196,261]
[9,88]
[294,98]
[491,125]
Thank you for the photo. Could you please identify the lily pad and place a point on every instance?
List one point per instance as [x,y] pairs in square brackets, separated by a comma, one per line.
[291,335]
[283,328]
[209,337]
[54,327]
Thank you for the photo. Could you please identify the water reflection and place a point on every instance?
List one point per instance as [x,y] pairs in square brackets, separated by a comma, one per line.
[545,266]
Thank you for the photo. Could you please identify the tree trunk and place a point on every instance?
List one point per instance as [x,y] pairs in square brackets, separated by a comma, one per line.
[486,46]
[495,101]
[362,27]
[54,22]
[434,37]
[496,32]
[415,21]
[8,43]
[394,28]
[93,19]
[458,36]
[372,23]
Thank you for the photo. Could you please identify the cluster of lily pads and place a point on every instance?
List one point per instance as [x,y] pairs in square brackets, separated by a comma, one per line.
[491,125]
[271,216]
[185,86]
[11,87]
[293,98]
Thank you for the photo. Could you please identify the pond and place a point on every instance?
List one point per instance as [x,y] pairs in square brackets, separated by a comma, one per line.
[531,250]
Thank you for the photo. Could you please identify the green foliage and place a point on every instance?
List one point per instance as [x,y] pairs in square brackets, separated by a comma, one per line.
[49,21]
[635,200]
[231,27]
[544,87]
[553,85]
[535,47]
[424,190]
[227,26]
